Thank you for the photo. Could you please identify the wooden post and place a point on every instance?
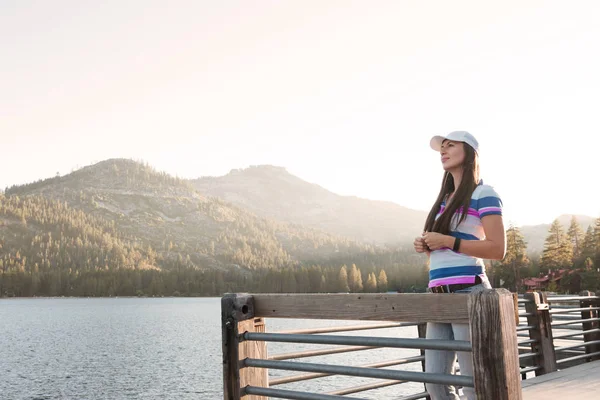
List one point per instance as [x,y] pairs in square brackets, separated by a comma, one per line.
[237,316]
[516,307]
[542,332]
[588,337]
[250,376]
[494,339]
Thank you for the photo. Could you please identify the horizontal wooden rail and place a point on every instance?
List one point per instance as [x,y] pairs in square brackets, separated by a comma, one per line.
[411,307]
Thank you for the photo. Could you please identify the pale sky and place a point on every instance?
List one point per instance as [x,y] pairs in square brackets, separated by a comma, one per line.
[345,94]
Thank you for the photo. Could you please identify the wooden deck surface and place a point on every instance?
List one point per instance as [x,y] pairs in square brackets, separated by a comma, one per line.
[581,382]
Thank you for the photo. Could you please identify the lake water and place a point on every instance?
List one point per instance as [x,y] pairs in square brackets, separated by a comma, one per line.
[144,348]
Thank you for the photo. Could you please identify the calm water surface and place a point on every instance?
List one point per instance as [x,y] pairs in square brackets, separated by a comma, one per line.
[140,348]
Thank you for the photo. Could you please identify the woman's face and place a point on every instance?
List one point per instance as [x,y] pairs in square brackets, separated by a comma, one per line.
[452,154]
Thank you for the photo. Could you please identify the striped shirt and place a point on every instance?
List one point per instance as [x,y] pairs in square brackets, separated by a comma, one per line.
[447,267]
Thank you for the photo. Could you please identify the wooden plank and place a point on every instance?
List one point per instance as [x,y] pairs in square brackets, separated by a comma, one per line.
[494,338]
[234,308]
[540,318]
[412,307]
[251,349]
[581,382]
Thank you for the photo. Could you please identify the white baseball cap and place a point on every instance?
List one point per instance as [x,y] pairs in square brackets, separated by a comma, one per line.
[457,136]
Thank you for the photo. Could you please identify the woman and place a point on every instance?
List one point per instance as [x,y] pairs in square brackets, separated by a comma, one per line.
[456,242]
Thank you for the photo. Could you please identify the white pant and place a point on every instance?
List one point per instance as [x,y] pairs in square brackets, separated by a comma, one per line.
[442,361]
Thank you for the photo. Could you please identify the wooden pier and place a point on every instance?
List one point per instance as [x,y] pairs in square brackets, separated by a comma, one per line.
[581,382]
[531,347]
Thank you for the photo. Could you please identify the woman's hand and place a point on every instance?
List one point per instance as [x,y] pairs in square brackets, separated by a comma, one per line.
[420,246]
[436,241]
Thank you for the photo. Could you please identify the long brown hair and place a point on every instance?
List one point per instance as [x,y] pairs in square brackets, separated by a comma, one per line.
[461,198]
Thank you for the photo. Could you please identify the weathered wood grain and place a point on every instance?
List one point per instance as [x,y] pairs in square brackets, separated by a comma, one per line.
[234,309]
[413,307]
[540,318]
[494,339]
[251,349]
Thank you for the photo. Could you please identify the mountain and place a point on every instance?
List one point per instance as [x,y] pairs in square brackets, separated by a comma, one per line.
[257,217]
[272,192]
[535,235]
[169,216]
[120,228]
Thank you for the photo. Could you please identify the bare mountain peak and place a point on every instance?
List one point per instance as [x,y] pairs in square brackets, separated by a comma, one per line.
[270,172]
[261,168]
[270,180]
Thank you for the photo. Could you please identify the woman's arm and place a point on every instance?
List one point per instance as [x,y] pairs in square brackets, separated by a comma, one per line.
[493,247]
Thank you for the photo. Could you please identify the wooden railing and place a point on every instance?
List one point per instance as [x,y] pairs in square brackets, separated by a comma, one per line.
[560,331]
[512,338]
[489,313]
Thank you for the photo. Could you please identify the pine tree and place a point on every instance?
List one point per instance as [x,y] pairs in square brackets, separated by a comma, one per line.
[355,280]
[371,285]
[343,280]
[575,235]
[382,281]
[516,256]
[588,250]
[558,252]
